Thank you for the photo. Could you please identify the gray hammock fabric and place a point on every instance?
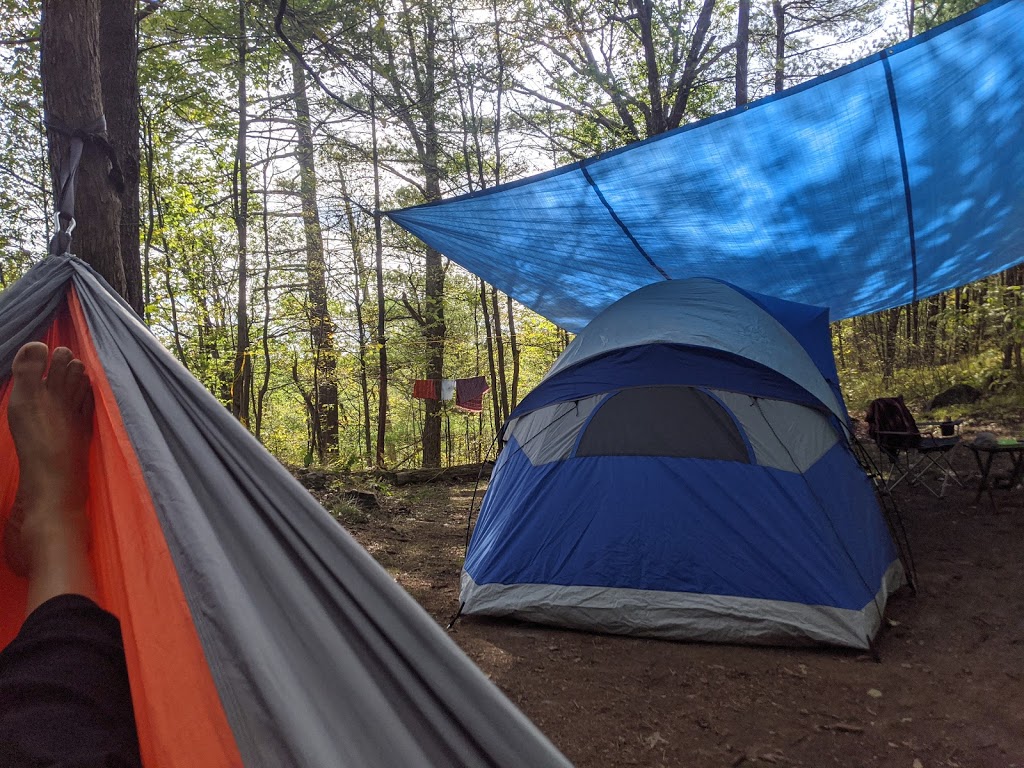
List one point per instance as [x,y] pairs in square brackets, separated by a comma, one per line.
[318,657]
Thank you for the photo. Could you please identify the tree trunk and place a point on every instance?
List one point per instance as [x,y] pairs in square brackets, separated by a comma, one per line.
[381,336]
[264,387]
[434,329]
[742,52]
[72,94]
[698,49]
[891,329]
[513,344]
[242,374]
[119,73]
[657,119]
[495,405]
[780,45]
[359,293]
[321,325]
[434,334]
[499,345]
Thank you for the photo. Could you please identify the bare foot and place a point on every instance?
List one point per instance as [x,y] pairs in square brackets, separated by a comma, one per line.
[50,416]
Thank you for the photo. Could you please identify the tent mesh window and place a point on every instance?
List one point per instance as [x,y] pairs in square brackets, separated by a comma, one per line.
[663,421]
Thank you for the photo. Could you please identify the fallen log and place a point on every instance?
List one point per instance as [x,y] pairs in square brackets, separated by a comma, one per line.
[459,474]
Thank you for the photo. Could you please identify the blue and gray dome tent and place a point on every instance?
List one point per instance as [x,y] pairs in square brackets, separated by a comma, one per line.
[683,471]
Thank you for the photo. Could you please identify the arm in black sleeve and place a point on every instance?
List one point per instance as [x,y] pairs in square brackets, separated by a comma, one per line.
[64,696]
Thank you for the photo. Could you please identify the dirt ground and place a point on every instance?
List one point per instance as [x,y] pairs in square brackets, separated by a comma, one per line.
[948,690]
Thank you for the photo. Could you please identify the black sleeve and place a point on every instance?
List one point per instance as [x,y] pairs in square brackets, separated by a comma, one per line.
[64,697]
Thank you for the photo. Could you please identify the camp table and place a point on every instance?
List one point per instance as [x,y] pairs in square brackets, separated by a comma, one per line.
[1012,448]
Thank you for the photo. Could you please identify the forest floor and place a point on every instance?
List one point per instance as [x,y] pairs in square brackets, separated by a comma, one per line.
[948,689]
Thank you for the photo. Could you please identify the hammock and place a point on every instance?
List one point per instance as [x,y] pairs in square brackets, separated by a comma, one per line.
[257,631]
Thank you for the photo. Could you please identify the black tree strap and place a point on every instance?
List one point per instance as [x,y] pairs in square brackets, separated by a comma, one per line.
[95,134]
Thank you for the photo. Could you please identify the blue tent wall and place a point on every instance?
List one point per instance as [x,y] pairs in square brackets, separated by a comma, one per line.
[773,547]
[889,180]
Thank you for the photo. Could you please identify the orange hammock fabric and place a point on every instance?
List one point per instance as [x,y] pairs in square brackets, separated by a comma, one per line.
[178,713]
[257,632]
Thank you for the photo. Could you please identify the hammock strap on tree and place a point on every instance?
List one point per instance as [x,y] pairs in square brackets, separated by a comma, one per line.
[64,209]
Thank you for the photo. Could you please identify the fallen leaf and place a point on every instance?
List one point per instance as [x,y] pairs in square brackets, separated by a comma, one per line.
[918,763]
[654,740]
[874,693]
[842,728]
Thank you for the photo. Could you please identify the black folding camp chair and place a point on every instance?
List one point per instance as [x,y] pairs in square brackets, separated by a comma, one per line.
[912,453]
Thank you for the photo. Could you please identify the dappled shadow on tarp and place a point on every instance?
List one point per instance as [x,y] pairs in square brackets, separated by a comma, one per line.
[800,196]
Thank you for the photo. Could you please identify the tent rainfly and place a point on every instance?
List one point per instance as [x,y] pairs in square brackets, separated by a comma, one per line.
[892,179]
[256,631]
[683,471]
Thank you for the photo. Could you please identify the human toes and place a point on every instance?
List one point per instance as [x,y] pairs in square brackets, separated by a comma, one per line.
[57,376]
[29,365]
[80,397]
[75,371]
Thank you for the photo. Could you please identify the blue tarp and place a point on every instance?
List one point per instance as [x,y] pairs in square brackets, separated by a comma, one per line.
[892,179]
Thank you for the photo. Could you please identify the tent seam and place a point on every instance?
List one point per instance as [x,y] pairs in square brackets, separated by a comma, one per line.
[620,222]
[894,104]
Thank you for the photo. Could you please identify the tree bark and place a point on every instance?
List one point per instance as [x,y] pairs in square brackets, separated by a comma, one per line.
[241,379]
[119,73]
[780,45]
[742,52]
[434,328]
[513,344]
[499,344]
[495,405]
[264,387]
[321,325]
[359,294]
[381,335]
[72,94]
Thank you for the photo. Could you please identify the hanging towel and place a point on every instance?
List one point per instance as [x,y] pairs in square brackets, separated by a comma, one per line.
[425,389]
[447,389]
[469,393]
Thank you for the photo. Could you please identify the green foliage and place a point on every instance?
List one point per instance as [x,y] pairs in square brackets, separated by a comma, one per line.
[513,91]
[349,514]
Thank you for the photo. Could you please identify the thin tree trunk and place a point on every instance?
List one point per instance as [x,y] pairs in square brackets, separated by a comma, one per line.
[321,325]
[891,332]
[499,345]
[495,404]
[241,379]
[742,51]
[150,217]
[119,72]
[359,295]
[513,345]
[168,280]
[381,335]
[264,387]
[780,45]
